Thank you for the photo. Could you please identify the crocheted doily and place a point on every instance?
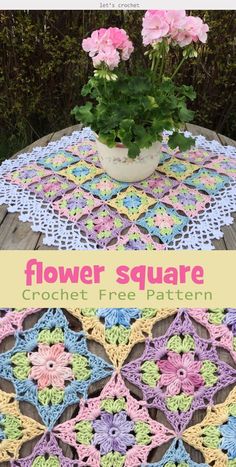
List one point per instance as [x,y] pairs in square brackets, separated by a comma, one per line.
[115,387]
[63,192]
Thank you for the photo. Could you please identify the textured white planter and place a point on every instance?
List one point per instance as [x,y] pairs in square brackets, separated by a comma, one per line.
[118,165]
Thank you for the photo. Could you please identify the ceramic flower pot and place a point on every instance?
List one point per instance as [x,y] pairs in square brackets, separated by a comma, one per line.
[118,165]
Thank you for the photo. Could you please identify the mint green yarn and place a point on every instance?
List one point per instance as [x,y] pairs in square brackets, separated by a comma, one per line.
[88,312]
[216,315]
[208,370]
[142,433]
[21,368]
[178,344]
[149,373]
[148,313]
[112,459]
[51,337]
[117,335]
[81,369]
[40,461]
[84,432]
[232,409]
[12,427]
[211,436]
[113,405]
[180,402]
[51,396]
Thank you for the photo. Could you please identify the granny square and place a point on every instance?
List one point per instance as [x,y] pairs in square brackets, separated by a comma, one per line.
[104,225]
[113,429]
[163,222]
[51,367]
[83,149]
[134,239]
[191,202]
[76,204]
[132,203]
[179,372]
[59,160]
[80,172]
[104,187]
[157,185]
[51,187]
[196,156]
[176,456]
[208,181]
[224,165]
[27,175]
[177,169]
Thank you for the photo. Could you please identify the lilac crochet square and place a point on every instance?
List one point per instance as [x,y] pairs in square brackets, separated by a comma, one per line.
[52,187]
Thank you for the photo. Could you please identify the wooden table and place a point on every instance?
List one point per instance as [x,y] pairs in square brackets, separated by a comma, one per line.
[17,235]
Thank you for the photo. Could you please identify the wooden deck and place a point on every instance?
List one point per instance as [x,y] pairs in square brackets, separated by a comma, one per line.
[16,235]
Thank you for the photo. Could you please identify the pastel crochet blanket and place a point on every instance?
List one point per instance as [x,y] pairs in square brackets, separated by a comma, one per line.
[63,192]
[118,387]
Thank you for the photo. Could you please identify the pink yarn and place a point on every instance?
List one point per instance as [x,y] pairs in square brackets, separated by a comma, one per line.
[50,366]
[180,372]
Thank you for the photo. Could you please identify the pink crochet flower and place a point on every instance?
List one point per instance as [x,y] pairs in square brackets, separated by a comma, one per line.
[50,366]
[108,46]
[180,373]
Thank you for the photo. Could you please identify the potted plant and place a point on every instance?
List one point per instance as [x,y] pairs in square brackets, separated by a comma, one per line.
[129,112]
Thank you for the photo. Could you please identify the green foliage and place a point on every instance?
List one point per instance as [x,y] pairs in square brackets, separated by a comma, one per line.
[135,110]
[43,69]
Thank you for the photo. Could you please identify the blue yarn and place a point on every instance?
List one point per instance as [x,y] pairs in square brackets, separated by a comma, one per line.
[201,186]
[71,159]
[75,343]
[91,188]
[122,316]
[177,454]
[155,230]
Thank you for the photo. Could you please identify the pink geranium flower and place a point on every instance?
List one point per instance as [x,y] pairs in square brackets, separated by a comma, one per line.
[180,373]
[155,26]
[192,29]
[50,366]
[108,46]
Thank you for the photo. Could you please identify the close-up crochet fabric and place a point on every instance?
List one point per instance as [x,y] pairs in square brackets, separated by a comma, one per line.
[63,192]
[117,387]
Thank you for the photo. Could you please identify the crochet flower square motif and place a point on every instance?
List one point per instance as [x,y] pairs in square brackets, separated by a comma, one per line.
[27,175]
[176,456]
[51,187]
[132,203]
[103,225]
[76,204]
[177,169]
[164,156]
[104,187]
[46,453]
[224,165]
[12,320]
[164,222]
[183,198]
[15,428]
[215,435]
[119,329]
[157,185]
[113,429]
[196,156]
[208,180]
[83,149]
[221,325]
[58,160]
[51,367]
[179,372]
[80,172]
[134,239]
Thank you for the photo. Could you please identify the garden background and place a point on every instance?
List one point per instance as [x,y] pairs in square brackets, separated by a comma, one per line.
[43,68]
